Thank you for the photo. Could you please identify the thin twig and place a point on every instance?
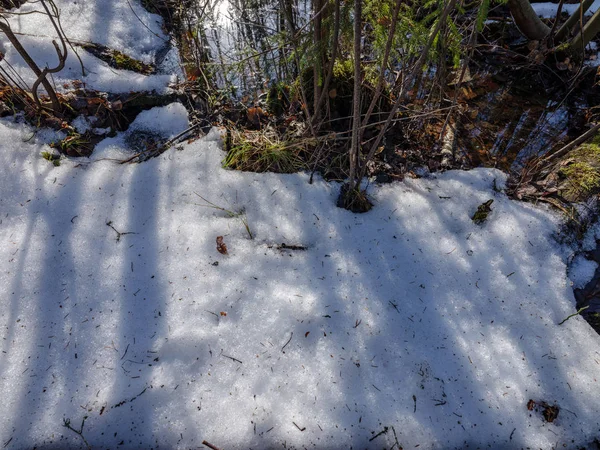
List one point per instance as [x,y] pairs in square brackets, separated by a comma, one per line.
[385,430]
[67,424]
[289,340]
[209,445]
[301,429]
[403,94]
[574,143]
[142,22]
[231,357]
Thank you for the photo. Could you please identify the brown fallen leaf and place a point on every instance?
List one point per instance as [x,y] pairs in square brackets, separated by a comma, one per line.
[221,247]
[550,412]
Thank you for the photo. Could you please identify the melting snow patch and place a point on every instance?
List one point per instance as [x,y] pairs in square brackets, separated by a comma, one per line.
[409,324]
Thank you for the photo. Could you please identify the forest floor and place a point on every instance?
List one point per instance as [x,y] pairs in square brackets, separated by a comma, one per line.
[173,302]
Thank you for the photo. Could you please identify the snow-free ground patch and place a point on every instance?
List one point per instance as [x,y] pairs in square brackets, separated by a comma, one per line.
[407,323]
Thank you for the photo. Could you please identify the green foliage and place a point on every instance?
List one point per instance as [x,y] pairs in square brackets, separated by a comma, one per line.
[74,144]
[410,35]
[343,69]
[454,43]
[52,157]
[482,14]
[413,29]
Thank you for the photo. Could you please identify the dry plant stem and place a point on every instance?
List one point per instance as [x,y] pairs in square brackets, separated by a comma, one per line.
[542,164]
[568,25]
[12,83]
[556,18]
[294,34]
[336,33]
[406,83]
[587,33]
[143,24]
[448,139]
[309,120]
[62,32]
[571,145]
[62,56]
[355,145]
[18,80]
[241,215]
[386,56]
[5,28]
[319,6]
[67,424]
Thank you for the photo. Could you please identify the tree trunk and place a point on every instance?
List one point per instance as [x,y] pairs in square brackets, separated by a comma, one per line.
[527,20]
[318,60]
[334,46]
[355,146]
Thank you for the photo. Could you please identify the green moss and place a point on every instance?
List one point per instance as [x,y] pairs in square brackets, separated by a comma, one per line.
[343,69]
[117,59]
[582,171]
[482,212]
[582,176]
[124,62]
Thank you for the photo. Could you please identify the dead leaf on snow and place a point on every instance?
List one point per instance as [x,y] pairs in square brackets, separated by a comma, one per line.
[221,247]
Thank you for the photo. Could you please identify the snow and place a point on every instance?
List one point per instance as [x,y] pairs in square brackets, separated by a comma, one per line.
[581,271]
[165,122]
[116,306]
[548,9]
[158,345]
[124,26]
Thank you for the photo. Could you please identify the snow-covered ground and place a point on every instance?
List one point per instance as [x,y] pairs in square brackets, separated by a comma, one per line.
[122,25]
[406,326]
[409,316]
